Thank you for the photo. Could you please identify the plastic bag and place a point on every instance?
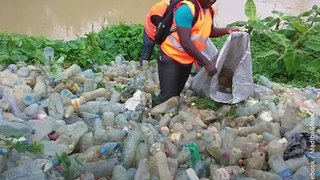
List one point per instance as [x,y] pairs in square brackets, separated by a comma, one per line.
[233,81]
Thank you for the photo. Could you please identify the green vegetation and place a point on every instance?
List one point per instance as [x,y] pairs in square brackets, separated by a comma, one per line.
[285,48]
[23,145]
[70,168]
[205,103]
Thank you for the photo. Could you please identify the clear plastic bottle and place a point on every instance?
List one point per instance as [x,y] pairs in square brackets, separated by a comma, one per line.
[15,129]
[220,154]
[275,148]
[229,138]
[89,96]
[67,73]
[162,164]
[32,110]
[115,135]
[86,141]
[108,148]
[278,165]
[40,86]
[29,171]
[259,174]
[70,134]
[184,155]
[129,149]
[14,107]
[257,128]
[77,102]
[235,156]
[4,105]
[69,110]
[290,117]
[269,137]
[256,161]
[143,172]
[31,98]
[265,81]
[89,118]
[310,92]
[302,173]
[296,163]
[143,151]
[108,119]
[88,85]
[120,173]
[48,53]
[314,156]
[251,108]
[101,168]
[67,94]
[172,150]
[55,107]
[115,97]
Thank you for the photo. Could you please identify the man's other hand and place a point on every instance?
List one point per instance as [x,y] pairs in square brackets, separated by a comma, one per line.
[210,68]
[232,29]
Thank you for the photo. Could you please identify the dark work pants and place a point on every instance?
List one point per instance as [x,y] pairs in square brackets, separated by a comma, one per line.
[172,75]
[147,47]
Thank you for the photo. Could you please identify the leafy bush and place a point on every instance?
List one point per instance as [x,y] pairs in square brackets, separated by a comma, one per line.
[286,48]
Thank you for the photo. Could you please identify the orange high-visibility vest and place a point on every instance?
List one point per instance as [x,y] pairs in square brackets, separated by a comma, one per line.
[200,32]
[157,9]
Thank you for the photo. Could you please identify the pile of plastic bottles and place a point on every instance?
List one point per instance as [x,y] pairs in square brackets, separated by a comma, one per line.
[101,125]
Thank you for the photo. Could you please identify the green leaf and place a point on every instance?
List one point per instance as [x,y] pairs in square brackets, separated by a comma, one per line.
[273,22]
[250,10]
[298,26]
[20,147]
[267,54]
[289,33]
[257,25]
[305,14]
[313,19]
[313,43]
[292,61]
[280,39]
[314,66]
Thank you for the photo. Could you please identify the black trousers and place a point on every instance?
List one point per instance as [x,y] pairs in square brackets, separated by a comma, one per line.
[172,75]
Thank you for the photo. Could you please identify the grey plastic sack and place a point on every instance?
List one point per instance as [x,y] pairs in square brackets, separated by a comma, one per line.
[233,81]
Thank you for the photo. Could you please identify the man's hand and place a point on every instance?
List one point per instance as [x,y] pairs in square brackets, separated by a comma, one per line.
[232,29]
[210,68]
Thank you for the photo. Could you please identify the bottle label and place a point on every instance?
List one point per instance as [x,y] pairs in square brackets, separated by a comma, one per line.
[286,174]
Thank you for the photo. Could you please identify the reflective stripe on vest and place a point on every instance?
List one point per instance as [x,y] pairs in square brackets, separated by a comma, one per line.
[200,32]
[157,9]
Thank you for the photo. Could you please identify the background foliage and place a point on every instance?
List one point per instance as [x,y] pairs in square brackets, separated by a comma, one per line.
[284,48]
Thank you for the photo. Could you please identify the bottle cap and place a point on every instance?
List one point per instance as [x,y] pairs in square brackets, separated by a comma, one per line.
[4,151]
[103,150]
[54,162]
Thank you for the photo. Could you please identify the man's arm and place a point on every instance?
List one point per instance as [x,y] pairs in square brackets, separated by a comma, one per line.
[190,48]
[217,32]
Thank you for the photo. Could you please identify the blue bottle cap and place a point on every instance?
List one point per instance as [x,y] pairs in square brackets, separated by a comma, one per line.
[55,162]
[103,150]
[309,155]
[3,151]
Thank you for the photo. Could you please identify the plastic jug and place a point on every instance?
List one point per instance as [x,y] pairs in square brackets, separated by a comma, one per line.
[278,165]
